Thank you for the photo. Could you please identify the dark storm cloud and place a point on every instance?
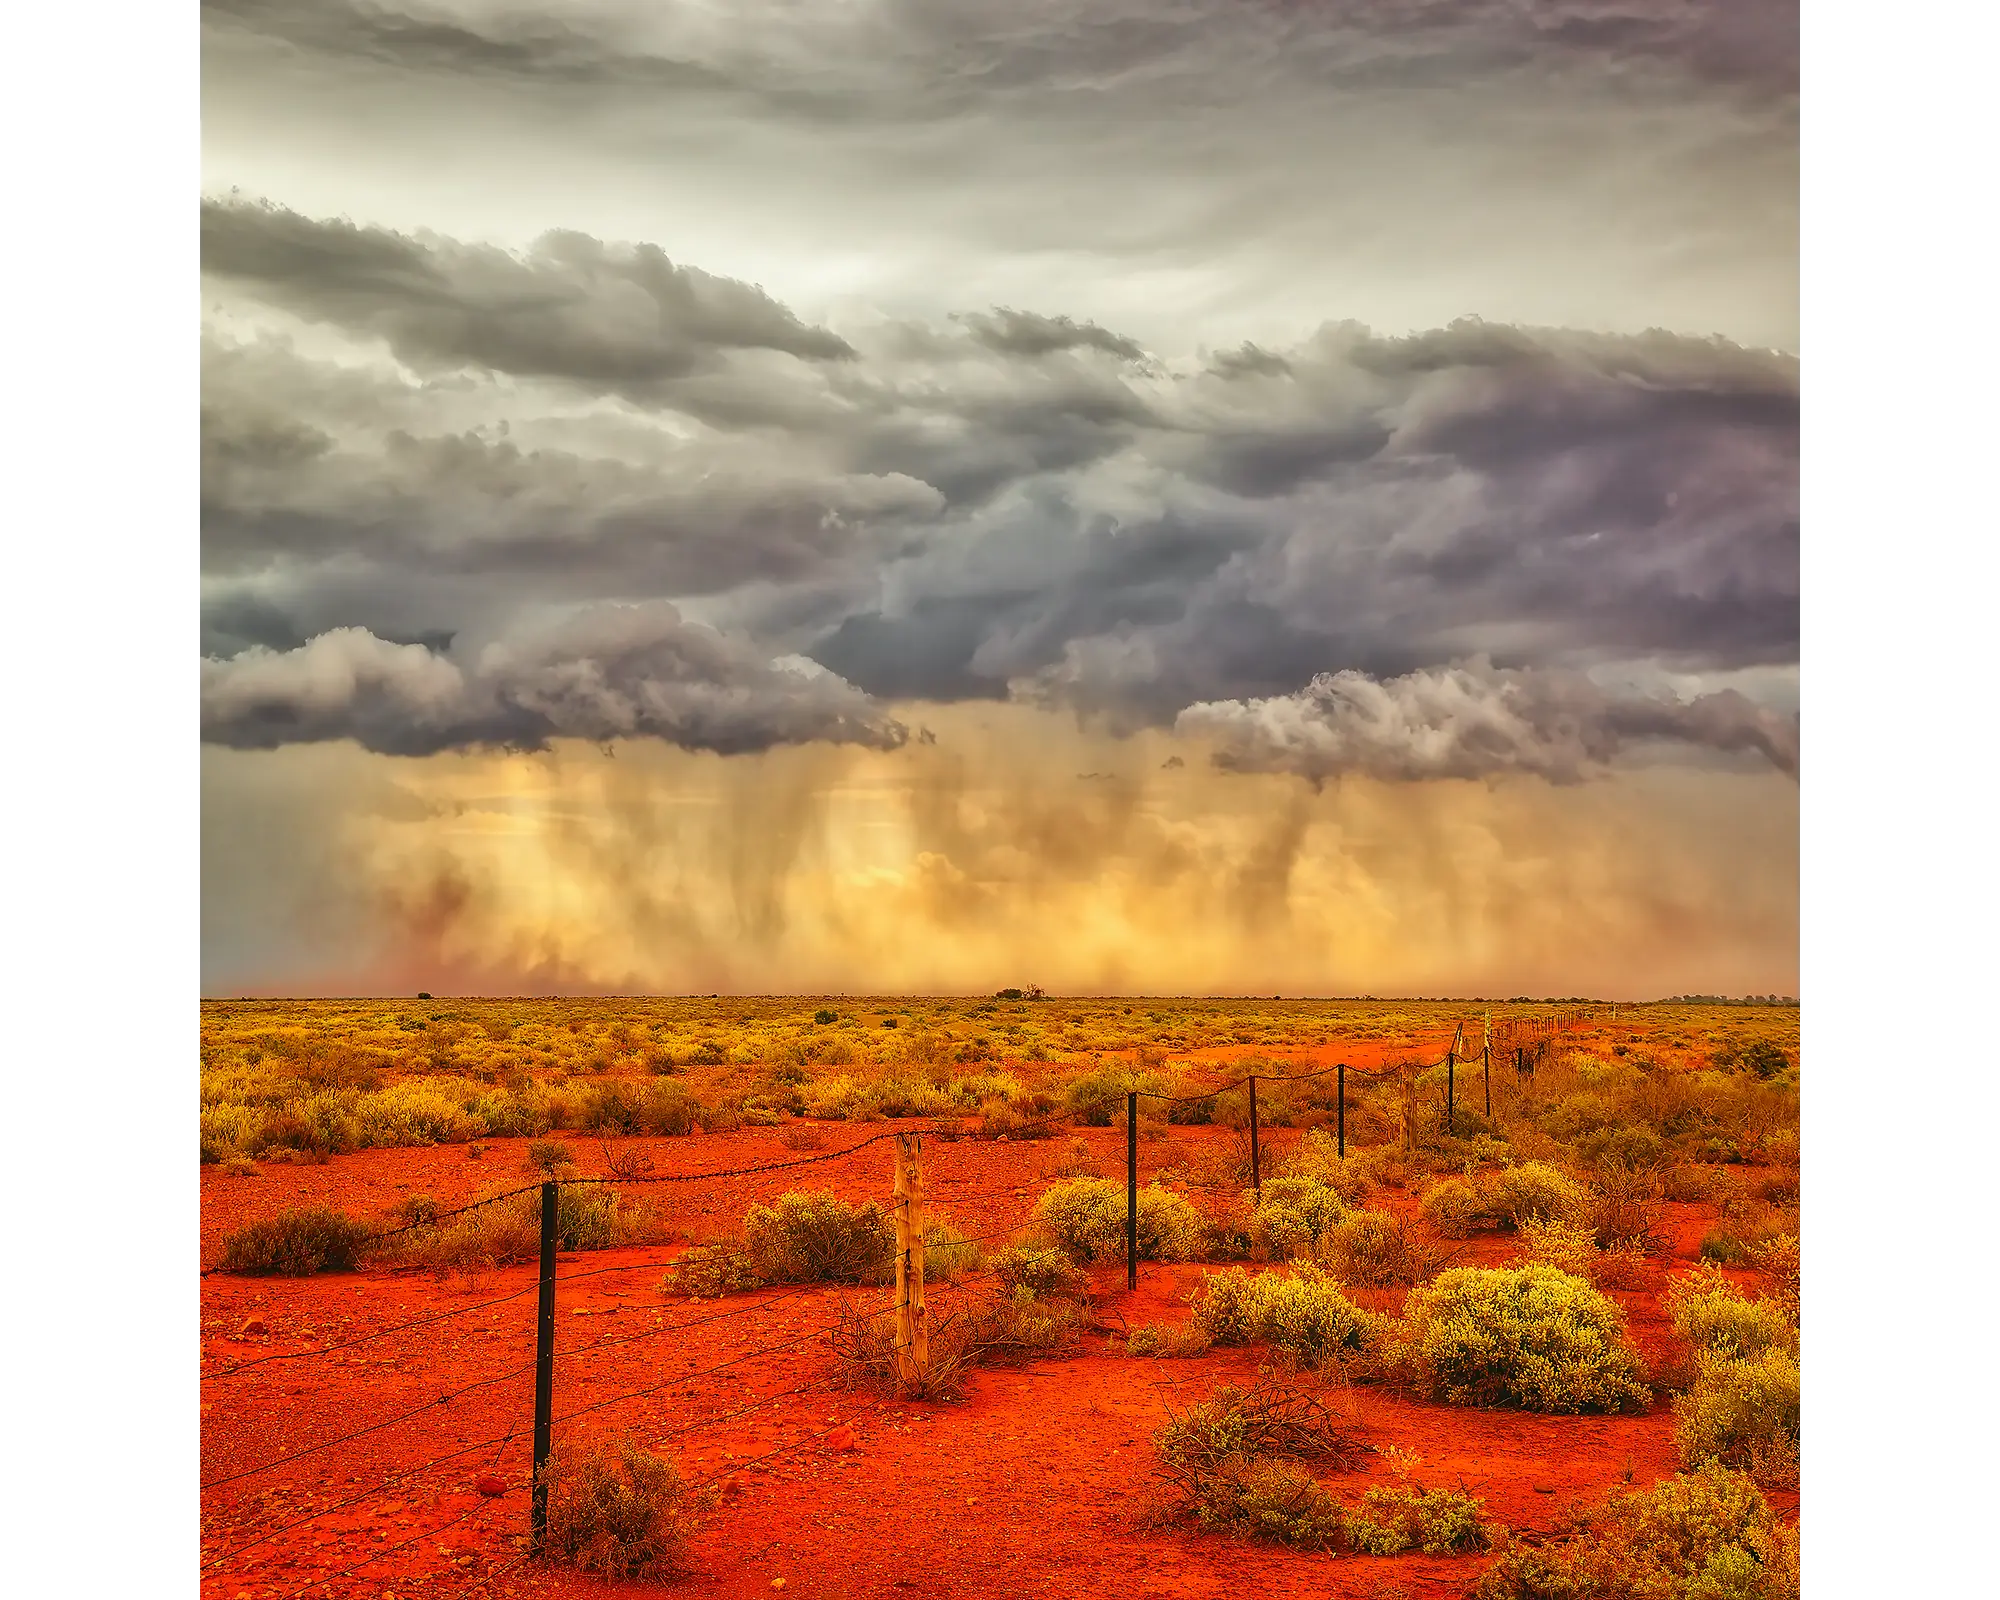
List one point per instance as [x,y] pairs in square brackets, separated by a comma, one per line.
[1473,721]
[418,39]
[622,318]
[606,673]
[1023,333]
[1003,504]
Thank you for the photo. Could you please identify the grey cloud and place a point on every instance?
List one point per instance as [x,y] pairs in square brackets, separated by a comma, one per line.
[1024,333]
[1473,721]
[423,40]
[952,514]
[980,51]
[1170,172]
[622,318]
[606,673]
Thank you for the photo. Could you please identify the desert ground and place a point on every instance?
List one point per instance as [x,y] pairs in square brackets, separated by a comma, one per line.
[367,1382]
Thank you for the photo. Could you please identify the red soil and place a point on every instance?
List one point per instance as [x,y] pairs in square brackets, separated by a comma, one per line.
[1037,1482]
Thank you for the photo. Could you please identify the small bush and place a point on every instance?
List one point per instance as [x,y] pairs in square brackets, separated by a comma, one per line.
[803,1136]
[1725,1247]
[709,1271]
[1022,1118]
[1778,1259]
[1764,1058]
[619,1510]
[625,1163]
[1317,1156]
[1303,1313]
[1533,1191]
[819,1238]
[1272,1419]
[1717,1318]
[1455,1206]
[1076,1161]
[1529,1336]
[1230,1459]
[1439,1522]
[1575,1251]
[1377,1248]
[1743,1413]
[588,1217]
[1541,1193]
[1018,1327]
[1705,1535]
[1170,1341]
[947,1254]
[1622,1214]
[296,1243]
[1622,1145]
[1294,1212]
[1046,1273]
[549,1155]
[1268,1499]
[1086,1218]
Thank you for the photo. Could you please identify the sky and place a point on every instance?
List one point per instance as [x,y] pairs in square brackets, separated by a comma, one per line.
[1177,498]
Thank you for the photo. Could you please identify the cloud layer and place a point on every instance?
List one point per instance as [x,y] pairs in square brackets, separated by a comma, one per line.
[1474,722]
[433,442]
[607,673]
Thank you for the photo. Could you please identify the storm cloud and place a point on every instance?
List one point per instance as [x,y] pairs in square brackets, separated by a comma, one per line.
[617,318]
[1473,721]
[1299,473]
[609,673]
[1007,504]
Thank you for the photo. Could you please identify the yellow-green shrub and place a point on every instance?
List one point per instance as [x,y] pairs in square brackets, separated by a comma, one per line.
[1744,1413]
[1704,1535]
[1394,1518]
[1086,1218]
[1302,1312]
[1535,1190]
[418,1111]
[1317,1155]
[617,1509]
[1717,1318]
[1292,1215]
[1455,1206]
[296,1243]
[1377,1248]
[819,1238]
[1526,1336]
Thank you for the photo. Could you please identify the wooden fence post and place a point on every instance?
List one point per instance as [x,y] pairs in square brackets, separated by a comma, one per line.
[913,1332]
[1341,1125]
[1486,1065]
[545,1371]
[1132,1191]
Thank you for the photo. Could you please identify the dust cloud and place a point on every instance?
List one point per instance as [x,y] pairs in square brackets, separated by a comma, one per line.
[1018,847]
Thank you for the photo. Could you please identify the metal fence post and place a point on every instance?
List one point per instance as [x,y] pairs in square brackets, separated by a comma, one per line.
[1256,1164]
[1132,1191]
[1340,1124]
[545,1369]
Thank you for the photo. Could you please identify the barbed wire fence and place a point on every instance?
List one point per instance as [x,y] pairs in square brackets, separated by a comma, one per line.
[1522,1040]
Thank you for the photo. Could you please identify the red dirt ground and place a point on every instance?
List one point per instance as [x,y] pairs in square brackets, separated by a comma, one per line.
[1037,1482]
